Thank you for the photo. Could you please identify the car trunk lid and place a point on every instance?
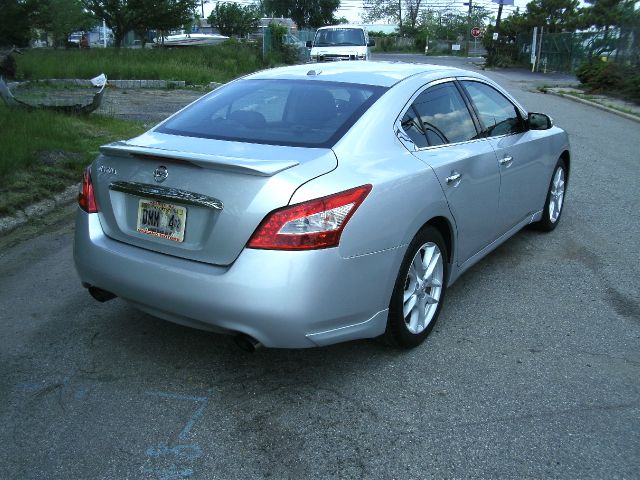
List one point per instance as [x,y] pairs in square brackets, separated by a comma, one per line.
[216,192]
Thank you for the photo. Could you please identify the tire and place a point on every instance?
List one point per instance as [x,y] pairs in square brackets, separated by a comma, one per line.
[420,299]
[554,203]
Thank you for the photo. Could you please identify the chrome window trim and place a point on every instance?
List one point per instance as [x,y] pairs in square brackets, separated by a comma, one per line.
[166,193]
[432,147]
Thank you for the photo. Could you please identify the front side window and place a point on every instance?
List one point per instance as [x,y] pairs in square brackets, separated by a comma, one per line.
[498,115]
[276,112]
[443,116]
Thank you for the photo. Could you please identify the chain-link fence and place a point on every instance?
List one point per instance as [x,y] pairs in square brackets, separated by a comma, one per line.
[564,52]
[291,42]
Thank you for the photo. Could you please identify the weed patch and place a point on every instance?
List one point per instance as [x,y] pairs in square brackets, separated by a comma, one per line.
[197,66]
[44,152]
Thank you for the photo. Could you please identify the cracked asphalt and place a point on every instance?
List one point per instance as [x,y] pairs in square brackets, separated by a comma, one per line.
[532,371]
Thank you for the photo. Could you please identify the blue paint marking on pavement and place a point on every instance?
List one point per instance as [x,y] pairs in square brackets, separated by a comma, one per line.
[81,393]
[183,453]
[191,422]
[184,433]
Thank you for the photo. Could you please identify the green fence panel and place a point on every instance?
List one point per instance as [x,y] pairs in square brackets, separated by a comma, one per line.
[564,52]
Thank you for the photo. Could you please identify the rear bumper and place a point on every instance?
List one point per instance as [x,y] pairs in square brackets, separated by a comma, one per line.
[283,299]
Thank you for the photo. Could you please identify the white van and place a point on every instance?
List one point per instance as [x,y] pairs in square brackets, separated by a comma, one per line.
[340,42]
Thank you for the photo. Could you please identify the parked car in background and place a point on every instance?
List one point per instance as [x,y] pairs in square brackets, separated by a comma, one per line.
[299,207]
[341,42]
[74,39]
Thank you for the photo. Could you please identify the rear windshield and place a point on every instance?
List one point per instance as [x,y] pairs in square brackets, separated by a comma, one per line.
[304,113]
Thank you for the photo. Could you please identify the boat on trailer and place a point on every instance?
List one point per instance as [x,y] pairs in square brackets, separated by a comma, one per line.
[190,39]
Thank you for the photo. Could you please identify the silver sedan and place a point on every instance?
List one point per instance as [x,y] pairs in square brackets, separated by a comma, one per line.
[310,205]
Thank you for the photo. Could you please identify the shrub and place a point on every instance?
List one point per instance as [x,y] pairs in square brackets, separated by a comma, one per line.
[281,52]
[611,78]
[588,71]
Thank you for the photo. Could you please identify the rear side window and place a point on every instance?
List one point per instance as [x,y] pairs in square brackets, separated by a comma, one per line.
[412,126]
[444,115]
[498,115]
[276,112]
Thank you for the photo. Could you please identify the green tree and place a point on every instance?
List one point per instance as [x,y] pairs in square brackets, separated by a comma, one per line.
[554,15]
[618,19]
[609,13]
[412,16]
[161,15]
[392,10]
[306,13]
[14,23]
[116,14]
[448,24]
[123,16]
[232,19]
[59,18]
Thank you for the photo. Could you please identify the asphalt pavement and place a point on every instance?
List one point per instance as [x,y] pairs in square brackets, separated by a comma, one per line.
[533,370]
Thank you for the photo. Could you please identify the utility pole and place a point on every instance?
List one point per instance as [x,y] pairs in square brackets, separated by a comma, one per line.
[499,17]
[466,36]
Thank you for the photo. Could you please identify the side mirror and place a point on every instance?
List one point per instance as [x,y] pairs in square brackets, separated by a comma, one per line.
[371,43]
[309,44]
[539,121]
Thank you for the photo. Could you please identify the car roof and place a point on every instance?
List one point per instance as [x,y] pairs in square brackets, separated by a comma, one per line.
[384,74]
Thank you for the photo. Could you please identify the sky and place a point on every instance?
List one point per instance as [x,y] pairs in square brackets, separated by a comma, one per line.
[352,9]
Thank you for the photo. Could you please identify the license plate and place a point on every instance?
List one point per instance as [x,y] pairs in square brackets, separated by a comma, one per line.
[163,220]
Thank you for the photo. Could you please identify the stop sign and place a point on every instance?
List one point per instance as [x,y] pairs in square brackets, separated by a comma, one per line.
[475,31]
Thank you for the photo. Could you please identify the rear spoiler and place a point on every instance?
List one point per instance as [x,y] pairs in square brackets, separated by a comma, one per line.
[262,168]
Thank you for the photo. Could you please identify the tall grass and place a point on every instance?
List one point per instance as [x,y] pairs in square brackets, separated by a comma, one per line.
[196,65]
[29,137]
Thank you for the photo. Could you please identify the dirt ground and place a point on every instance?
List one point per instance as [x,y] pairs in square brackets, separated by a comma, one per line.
[145,105]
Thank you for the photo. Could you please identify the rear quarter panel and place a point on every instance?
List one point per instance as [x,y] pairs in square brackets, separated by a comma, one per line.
[405,195]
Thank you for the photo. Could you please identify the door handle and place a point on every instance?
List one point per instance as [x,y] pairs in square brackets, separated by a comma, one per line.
[506,160]
[454,177]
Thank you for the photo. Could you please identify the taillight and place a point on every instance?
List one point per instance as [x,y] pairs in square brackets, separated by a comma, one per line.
[86,197]
[309,225]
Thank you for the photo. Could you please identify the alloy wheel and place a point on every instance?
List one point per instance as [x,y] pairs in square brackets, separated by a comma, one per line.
[557,195]
[423,288]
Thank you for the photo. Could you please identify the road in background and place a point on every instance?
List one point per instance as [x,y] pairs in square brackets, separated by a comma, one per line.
[532,371]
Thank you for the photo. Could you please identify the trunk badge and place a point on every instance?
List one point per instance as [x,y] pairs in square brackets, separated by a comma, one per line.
[160,174]
[107,170]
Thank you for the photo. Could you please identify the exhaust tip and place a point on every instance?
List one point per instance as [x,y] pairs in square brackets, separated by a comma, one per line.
[247,343]
[100,294]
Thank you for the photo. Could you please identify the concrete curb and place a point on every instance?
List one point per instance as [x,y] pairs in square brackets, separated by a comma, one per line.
[43,207]
[628,116]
